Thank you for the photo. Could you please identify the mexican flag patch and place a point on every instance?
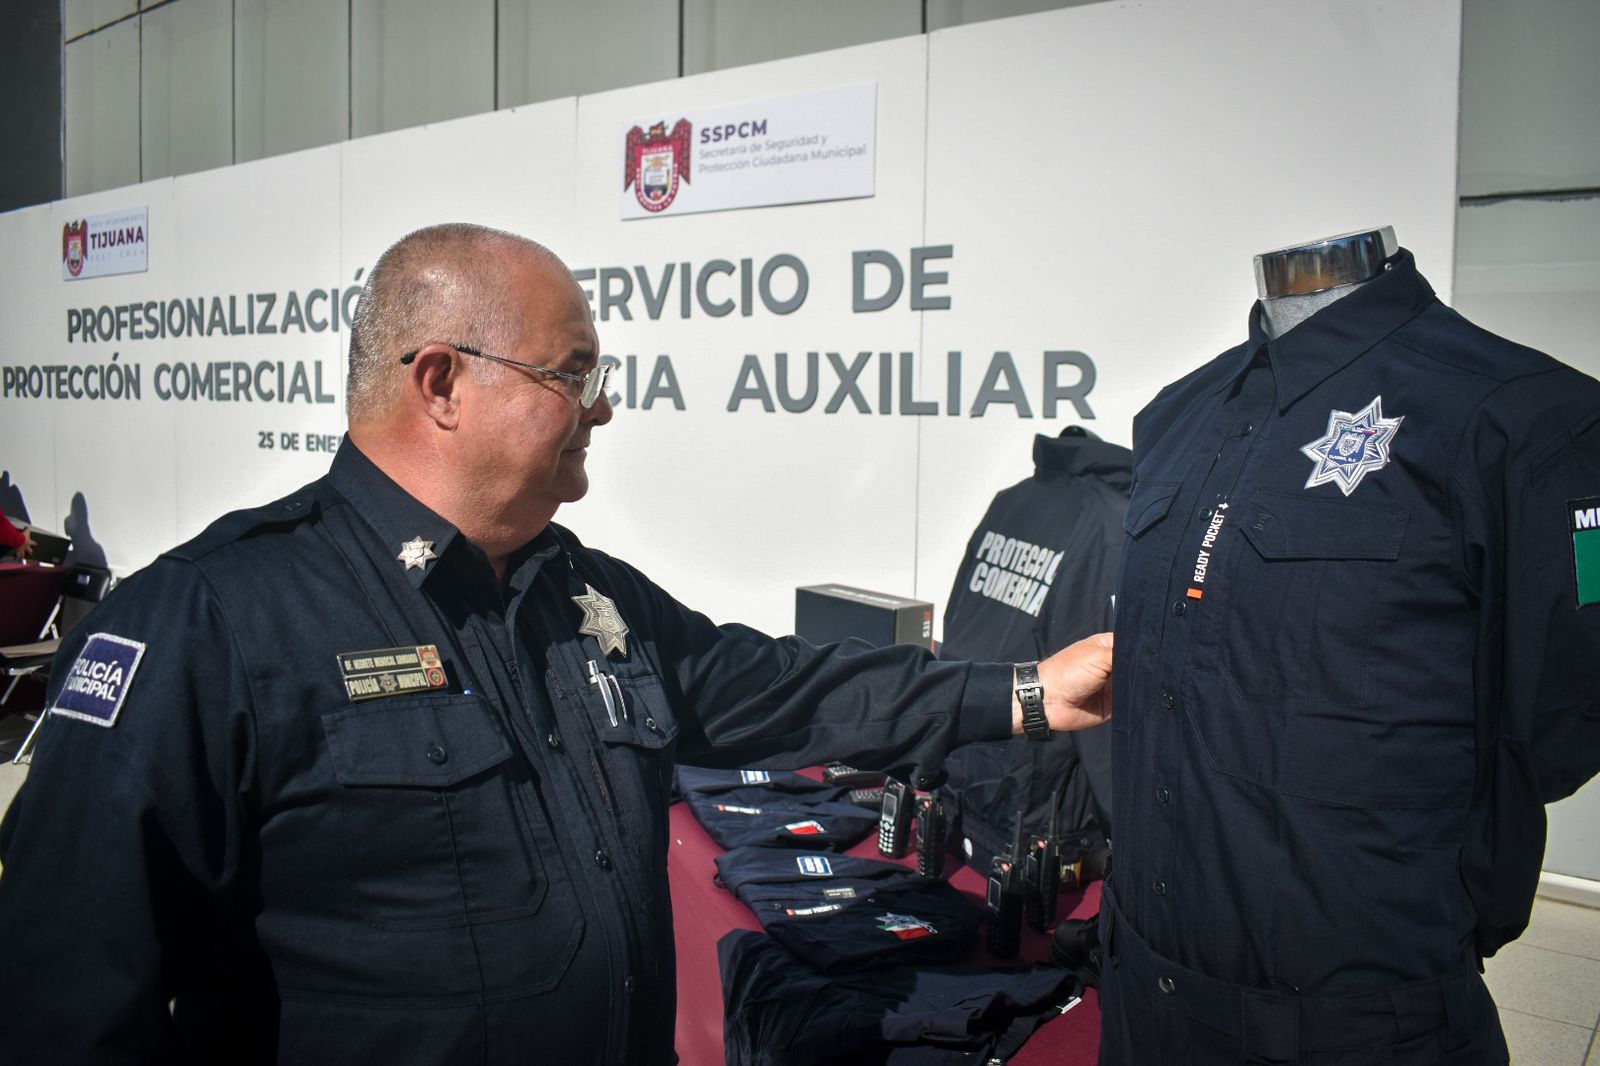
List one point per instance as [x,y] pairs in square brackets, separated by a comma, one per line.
[1583,517]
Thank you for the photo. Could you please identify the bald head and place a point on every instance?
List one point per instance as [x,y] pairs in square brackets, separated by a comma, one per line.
[443,283]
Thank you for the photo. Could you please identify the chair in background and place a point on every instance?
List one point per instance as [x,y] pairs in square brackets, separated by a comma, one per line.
[85,587]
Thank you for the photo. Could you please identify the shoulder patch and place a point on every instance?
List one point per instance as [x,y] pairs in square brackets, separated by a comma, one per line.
[99,679]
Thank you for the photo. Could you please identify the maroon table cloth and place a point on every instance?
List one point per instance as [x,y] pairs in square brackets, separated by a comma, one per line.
[703,912]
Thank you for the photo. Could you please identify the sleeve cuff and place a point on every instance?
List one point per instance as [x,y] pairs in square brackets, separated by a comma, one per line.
[986,703]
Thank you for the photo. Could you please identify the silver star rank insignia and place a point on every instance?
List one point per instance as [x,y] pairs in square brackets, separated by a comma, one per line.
[601,621]
[416,553]
[1355,445]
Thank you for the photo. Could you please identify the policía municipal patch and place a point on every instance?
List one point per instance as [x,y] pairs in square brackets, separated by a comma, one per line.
[99,679]
[1583,522]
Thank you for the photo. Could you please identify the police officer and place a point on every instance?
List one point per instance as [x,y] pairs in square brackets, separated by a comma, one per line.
[379,772]
[1361,634]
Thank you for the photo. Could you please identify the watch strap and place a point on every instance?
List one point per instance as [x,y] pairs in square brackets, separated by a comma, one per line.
[1030,694]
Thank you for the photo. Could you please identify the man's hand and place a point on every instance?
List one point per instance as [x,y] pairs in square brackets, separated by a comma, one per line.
[1077,686]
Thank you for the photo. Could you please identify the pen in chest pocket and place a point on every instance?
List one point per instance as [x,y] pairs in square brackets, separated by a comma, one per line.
[610,694]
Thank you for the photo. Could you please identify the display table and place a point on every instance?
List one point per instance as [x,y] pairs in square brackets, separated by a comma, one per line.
[28,593]
[702,912]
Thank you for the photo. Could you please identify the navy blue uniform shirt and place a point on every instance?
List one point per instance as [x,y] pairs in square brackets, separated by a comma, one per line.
[474,873]
[1355,654]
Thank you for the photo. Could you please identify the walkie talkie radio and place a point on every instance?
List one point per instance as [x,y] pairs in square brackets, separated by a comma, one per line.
[866,797]
[842,776]
[1005,899]
[1042,874]
[930,823]
[894,819]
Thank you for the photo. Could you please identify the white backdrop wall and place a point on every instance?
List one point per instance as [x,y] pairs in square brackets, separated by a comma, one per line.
[1094,181]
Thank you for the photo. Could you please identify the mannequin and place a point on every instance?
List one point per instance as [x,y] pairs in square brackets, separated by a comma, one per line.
[1365,659]
[1296,282]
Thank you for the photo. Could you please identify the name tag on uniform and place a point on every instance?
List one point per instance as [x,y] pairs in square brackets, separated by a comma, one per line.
[391,671]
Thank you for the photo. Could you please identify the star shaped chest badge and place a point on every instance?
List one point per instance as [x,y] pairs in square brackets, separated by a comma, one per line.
[415,553]
[1354,446]
[602,621]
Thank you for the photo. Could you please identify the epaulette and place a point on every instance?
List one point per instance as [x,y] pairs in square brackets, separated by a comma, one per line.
[299,506]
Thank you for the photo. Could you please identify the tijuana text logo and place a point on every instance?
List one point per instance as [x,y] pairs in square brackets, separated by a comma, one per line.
[655,162]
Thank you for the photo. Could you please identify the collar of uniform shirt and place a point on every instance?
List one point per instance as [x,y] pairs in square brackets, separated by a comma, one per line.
[1335,336]
[396,517]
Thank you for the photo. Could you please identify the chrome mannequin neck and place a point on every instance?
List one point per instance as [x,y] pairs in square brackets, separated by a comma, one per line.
[1301,269]
[1295,283]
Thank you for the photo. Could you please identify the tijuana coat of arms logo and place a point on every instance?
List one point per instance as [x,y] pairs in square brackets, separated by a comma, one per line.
[75,245]
[655,162]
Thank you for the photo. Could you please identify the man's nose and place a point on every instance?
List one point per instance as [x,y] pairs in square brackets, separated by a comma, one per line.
[600,413]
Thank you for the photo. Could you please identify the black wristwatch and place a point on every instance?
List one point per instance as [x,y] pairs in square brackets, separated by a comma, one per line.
[1030,693]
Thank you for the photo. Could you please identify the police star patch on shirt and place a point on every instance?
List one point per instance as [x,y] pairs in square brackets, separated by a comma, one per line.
[1583,522]
[99,679]
[1354,446]
[603,621]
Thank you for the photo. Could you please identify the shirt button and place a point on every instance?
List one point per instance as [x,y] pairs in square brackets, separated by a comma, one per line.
[1207,512]
[1247,429]
[1167,701]
[1166,984]
[1162,795]
[436,754]
[1160,887]
[1178,607]
[602,858]
[554,742]
[629,984]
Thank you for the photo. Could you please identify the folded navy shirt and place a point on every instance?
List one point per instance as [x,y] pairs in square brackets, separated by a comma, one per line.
[840,912]
[777,1009]
[774,808]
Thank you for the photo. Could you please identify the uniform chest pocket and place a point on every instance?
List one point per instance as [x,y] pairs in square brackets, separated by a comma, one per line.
[627,704]
[1140,573]
[433,833]
[1150,503]
[629,715]
[1302,597]
[1147,510]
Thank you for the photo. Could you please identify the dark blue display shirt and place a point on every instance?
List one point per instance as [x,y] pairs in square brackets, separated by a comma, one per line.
[1355,655]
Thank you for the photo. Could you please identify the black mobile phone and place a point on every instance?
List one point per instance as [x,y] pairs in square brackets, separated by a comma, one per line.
[894,820]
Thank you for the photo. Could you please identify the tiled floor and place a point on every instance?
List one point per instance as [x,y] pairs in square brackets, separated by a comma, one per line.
[1548,987]
[1547,984]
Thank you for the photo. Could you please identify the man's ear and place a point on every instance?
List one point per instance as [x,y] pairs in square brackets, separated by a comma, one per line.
[434,381]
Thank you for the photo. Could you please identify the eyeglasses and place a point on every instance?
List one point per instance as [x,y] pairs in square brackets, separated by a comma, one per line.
[591,384]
